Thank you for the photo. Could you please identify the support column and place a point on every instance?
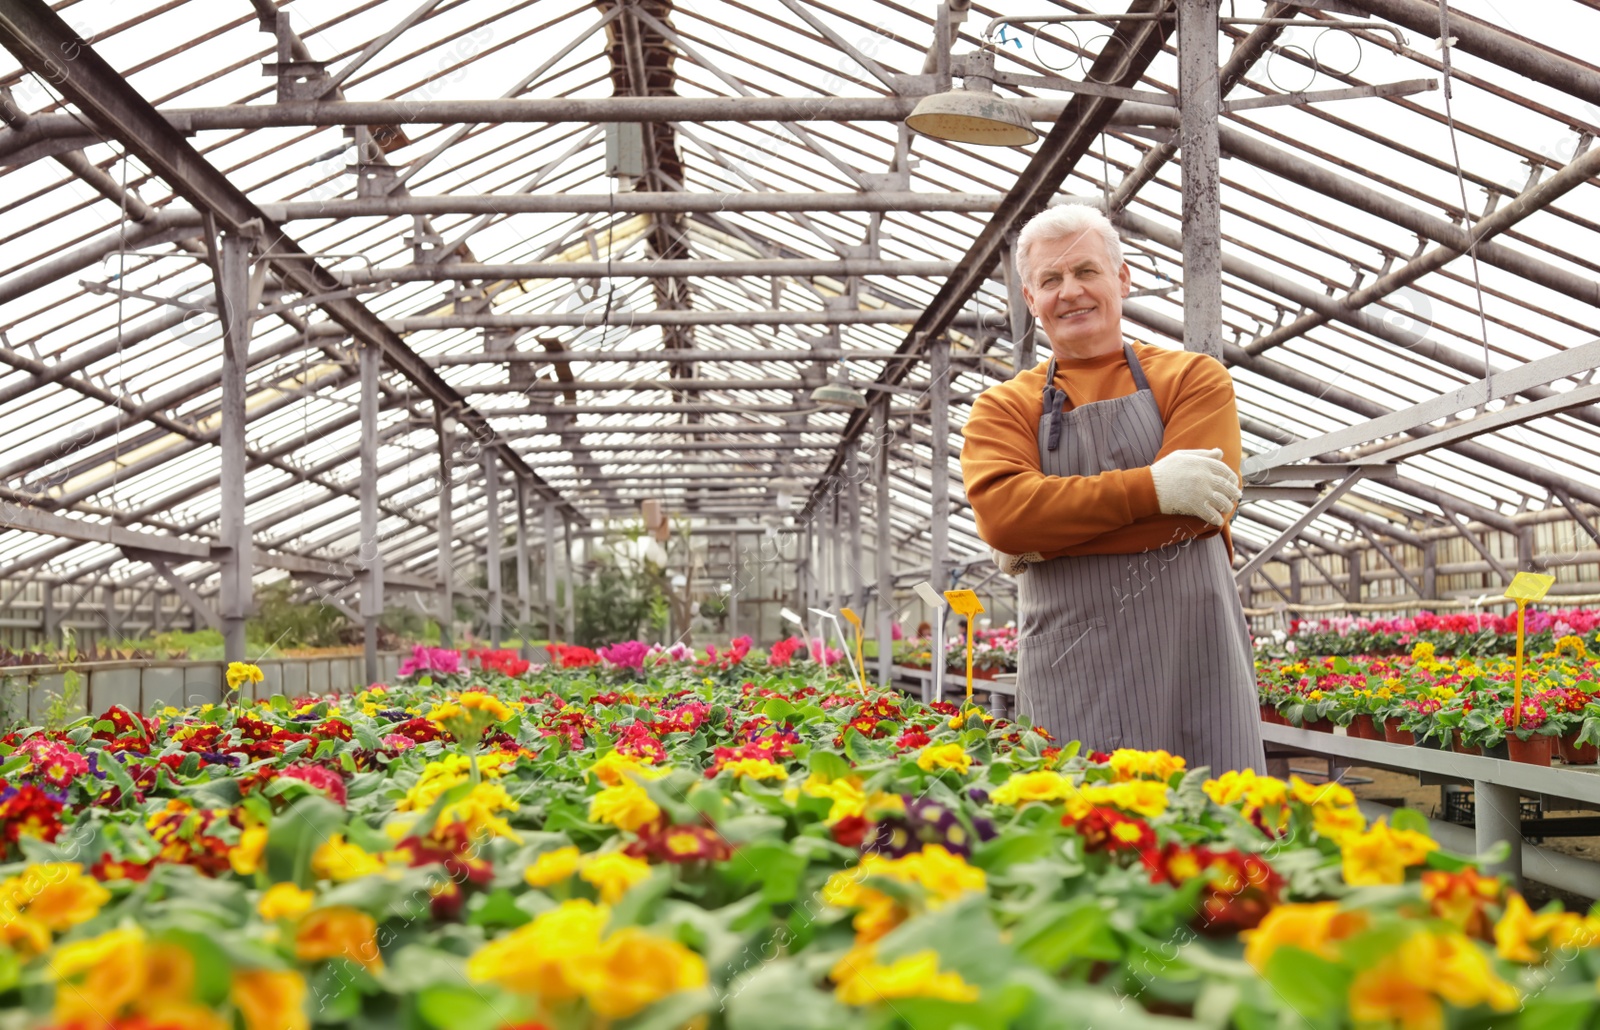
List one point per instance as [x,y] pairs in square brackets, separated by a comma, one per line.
[1497,816]
[1352,584]
[853,504]
[113,617]
[836,592]
[939,472]
[572,584]
[524,579]
[550,570]
[1200,99]
[491,493]
[735,585]
[1430,570]
[371,559]
[1525,549]
[884,563]
[1017,313]
[49,618]
[444,428]
[237,571]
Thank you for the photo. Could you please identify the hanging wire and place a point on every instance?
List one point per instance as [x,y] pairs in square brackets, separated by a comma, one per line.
[1461,186]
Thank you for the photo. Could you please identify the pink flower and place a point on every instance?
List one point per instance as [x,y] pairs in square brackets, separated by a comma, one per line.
[430,659]
[627,655]
[398,742]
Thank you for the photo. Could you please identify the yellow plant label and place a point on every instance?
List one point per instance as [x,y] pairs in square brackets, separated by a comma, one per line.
[1529,586]
[963,602]
[851,617]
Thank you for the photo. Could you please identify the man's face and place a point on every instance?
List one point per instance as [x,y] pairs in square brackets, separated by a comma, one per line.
[1076,294]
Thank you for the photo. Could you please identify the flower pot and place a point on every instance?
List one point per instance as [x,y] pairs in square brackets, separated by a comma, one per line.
[1533,751]
[1573,753]
[1363,728]
[1462,747]
[1395,735]
[1319,725]
[1497,750]
[1267,712]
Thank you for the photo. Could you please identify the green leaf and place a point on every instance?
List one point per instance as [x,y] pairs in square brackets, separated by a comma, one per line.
[772,864]
[829,766]
[497,909]
[452,1007]
[278,703]
[778,710]
[1410,819]
[1009,849]
[1056,934]
[780,995]
[296,834]
[1342,667]
[1311,985]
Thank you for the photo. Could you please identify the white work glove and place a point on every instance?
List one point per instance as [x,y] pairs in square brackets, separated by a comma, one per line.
[1196,483]
[1015,564]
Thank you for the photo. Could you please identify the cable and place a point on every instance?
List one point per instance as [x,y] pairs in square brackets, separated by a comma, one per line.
[1461,185]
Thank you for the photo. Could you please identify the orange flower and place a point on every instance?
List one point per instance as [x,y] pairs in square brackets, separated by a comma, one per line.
[271,999]
[338,932]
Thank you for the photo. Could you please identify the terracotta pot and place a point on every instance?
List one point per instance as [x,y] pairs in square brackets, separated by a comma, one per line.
[1462,747]
[1573,753]
[1533,751]
[1363,728]
[1319,725]
[1267,712]
[1395,735]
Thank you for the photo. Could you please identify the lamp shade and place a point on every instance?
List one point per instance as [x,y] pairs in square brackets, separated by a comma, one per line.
[970,116]
[839,395]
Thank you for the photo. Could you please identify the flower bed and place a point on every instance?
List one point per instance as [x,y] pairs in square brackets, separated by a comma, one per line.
[1459,633]
[1465,703]
[716,841]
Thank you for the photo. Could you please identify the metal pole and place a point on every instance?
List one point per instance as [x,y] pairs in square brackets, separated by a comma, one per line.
[939,472]
[524,589]
[735,585]
[113,617]
[666,269]
[550,571]
[491,495]
[572,584]
[371,559]
[236,573]
[883,560]
[836,592]
[445,560]
[853,504]
[48,622]
[1017,313]
[1497,816]
[1201,99]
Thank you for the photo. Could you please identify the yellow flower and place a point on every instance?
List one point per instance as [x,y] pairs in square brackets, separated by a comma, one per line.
[625,806]
[103,974]
[338,932]
[944,756]
[478,812]
[480,701]
[539,957]
[22,933]
[240,673]
[1520,929]
[1422,652]
[1041,785]
[1337,823]
[633,970]
[845,793]
[612,873]
[1145,797]
[271,999]
[338,860]
[755,769]
[614,768]
[944,875]
[1319,794]
[1572,645]
[1381,855]
[915,976]
[1317,927]
[56,894]
[284,901]
[1405,988]
[1129,764]
[245,856]
[552,867]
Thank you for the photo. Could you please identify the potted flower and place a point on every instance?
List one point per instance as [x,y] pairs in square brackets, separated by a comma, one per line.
[1528,740]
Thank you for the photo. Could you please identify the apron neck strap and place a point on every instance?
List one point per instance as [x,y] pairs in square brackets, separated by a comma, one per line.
[1139,381]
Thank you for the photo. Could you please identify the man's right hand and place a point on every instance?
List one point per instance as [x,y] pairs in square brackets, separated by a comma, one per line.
[1196,483]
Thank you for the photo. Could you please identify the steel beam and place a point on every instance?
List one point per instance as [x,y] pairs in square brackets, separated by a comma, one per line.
[444,559]
[666,268]
[634,202]
[524,591]
[1200,94]
[491,494]
[634,317]
[1271,550]
[38,37]
[232,270]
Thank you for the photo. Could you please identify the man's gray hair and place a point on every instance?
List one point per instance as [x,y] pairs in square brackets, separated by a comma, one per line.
[1066,220]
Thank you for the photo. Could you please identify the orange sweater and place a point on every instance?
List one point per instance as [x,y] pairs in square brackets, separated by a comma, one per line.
[1019,509]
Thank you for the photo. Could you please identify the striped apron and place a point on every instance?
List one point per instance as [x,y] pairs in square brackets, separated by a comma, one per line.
[1145,650]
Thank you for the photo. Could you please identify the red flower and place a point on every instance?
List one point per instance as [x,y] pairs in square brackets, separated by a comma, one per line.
[570,656]
[30,812]
[911,739]
[1106,829]
[319,777]
[679,845]
[1241,888]
[109,868]
[851,830]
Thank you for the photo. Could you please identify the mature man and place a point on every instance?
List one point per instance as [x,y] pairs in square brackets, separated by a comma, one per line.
[1105,478]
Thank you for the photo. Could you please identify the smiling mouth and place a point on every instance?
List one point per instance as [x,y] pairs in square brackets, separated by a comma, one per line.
[1076,312]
